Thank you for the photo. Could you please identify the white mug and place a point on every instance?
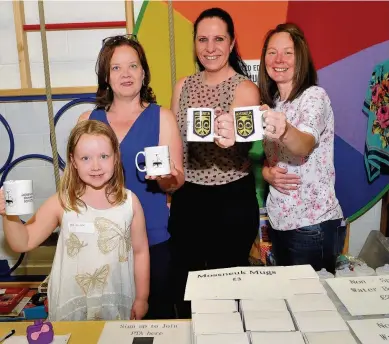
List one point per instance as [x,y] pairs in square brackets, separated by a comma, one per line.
[19,197]
[248,122]
[157,160]
[200,125]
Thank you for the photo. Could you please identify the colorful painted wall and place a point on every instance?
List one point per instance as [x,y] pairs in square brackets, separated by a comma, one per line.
[347,40]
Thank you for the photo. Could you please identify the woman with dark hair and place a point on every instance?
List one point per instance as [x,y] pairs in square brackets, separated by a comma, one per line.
[299,146]
[214,216]
[126,102]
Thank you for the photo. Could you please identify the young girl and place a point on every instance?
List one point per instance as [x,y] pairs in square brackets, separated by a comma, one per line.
[101,265]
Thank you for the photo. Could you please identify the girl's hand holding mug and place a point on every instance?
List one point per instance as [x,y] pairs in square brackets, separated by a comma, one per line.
[2,202]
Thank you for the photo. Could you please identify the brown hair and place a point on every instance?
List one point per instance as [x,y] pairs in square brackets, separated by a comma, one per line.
[234,58]
[72,187]
[104,94]
[305,74]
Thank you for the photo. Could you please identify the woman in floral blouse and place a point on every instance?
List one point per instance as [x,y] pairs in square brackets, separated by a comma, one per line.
[299,145]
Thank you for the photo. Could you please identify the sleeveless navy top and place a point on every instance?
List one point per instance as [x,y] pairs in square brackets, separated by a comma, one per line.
[143,133]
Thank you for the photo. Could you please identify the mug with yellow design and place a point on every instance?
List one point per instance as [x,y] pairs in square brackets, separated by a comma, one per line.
[248,122]
[200,125]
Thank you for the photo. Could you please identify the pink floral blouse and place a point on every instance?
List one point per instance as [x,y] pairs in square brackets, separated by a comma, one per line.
[315,200]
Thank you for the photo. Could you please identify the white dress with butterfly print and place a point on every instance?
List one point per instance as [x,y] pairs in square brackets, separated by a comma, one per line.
[92,275]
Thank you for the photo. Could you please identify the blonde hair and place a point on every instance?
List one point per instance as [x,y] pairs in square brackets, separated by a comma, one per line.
[72,187]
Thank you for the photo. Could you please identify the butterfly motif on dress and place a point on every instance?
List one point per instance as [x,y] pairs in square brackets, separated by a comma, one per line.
[96,281]
[74,245]
[112,236]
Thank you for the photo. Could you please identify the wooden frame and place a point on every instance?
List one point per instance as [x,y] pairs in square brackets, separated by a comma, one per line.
[23,57]
[22,46]
[42,91]
[129,7]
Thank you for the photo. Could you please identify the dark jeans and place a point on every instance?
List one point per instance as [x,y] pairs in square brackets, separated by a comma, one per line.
[212,227]
[161,304]
[318,245]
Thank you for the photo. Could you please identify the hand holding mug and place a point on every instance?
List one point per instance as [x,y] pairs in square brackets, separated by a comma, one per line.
[157,162]
[275,122]
[2,202]
[17,198]
[224,128]
[173,173]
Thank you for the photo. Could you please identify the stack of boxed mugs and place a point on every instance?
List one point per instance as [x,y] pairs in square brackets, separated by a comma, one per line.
[303,315]
[217,321]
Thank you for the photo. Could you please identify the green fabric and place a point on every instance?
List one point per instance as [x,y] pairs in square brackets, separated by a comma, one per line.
[257,157]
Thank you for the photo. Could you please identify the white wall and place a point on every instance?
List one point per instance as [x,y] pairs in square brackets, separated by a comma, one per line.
[72,57]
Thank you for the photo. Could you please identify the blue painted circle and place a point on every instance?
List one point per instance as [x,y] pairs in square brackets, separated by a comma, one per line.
[11,143]
[59,114]
[20,159]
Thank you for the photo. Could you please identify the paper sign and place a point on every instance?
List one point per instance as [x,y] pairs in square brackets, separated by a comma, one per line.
[127,332]
[362,295]
[237,283]
[253,69]
[371,331]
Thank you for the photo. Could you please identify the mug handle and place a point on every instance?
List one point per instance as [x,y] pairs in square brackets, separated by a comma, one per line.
[261,114]
[136,162]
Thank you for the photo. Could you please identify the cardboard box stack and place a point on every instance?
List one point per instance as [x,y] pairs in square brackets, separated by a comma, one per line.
[291,306]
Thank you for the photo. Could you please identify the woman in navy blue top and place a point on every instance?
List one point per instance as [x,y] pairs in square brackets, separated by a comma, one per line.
[126,102]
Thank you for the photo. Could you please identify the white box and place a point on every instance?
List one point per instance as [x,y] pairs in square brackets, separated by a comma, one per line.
[214,306]
[263,321]
[217,323]
[310,302]
[273,305]
[230,338]
[276,338]
[320,321]
[336,337]
[306,286]
[300,272]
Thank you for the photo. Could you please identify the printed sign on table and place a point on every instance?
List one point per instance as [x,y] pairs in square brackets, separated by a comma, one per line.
[371,331]
[146,332]
[362,295]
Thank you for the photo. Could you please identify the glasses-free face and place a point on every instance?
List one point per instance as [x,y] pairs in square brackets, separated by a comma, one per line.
[280,59]
[213,44]
[94,160]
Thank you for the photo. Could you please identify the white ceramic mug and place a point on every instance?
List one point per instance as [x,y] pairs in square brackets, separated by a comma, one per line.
[19,197]
[200,125]
[248,122]
[157,160]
